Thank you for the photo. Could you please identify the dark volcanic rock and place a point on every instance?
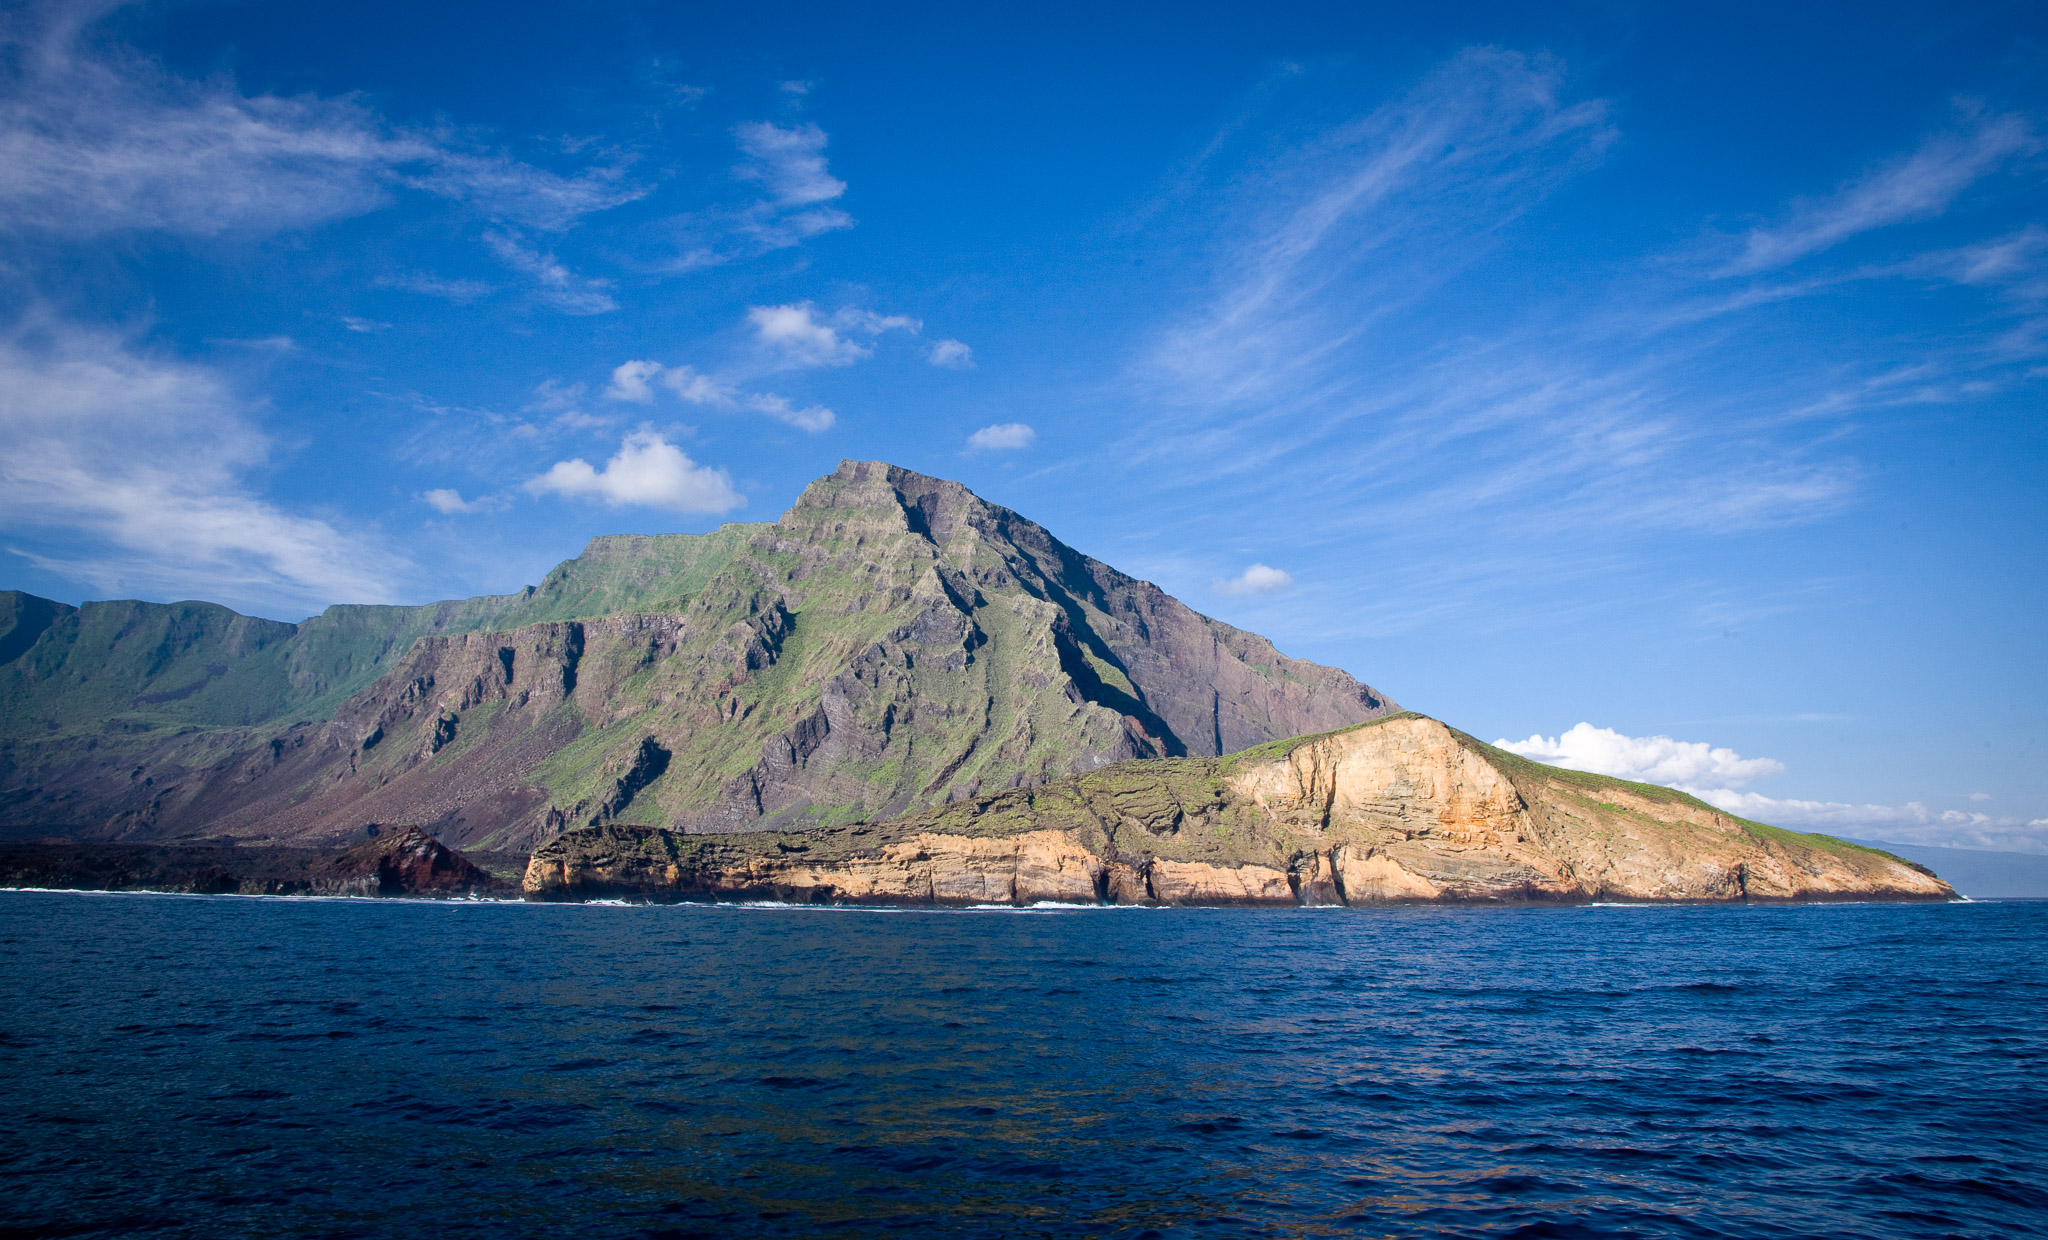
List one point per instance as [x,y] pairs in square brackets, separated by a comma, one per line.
[408,863]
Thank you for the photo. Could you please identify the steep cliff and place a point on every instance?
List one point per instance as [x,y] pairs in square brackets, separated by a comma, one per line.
[892,642]
[1399,809]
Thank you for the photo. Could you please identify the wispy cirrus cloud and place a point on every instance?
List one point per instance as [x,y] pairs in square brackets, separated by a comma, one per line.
[554,283]
[1358,352]
[1916,186]
[461,291]
[93,142]
[131,473]
[1911,823]
[1479,141]
[797,202]
[636,382]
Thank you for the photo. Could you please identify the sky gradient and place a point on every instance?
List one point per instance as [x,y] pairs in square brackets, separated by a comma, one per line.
[1660,390]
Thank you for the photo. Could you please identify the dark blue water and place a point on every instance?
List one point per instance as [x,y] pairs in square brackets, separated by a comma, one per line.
[230,1066]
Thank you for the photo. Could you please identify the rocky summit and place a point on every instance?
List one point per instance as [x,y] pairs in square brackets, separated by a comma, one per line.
[892,644]
[1402,809]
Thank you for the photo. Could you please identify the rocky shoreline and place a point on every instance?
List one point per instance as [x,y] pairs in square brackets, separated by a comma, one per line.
[1397,810]
[404,863]
[1401,810]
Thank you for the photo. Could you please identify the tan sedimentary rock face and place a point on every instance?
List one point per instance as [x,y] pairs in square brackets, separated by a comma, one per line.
[1401,810]
[1407,775]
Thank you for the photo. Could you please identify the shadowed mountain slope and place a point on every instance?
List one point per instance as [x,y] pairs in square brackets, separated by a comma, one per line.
[892,642]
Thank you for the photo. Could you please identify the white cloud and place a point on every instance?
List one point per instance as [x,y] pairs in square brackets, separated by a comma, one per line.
[1717,775]
[701,389]
[951,354]
[634,381]
[1258,579]
[647,471]
[365,326]
[1332,243]
[559,287]
[1980,796]
[630,382]
[800,337]
[698,388]
[1646,759]
[430,285]
[1913,187]
[450,502]
[812,418]
[1003,436]
[129,472]
[797,334]
[1911,823]
[263,344]
[790,162]
[90,145]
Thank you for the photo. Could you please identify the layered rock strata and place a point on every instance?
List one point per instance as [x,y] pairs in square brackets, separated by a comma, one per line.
[1403,809]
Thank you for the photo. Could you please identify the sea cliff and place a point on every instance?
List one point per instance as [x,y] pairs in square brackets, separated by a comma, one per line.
[1401,809]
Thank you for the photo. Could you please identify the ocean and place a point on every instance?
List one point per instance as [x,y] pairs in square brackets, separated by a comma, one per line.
[240,1066]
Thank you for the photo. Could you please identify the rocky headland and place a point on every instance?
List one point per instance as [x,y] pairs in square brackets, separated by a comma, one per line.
[1401,809]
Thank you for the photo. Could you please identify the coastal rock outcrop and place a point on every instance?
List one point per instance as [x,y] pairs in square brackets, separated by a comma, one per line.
[404,862]
[1402,809]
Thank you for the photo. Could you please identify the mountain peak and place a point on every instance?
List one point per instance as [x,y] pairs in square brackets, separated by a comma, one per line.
[893,641]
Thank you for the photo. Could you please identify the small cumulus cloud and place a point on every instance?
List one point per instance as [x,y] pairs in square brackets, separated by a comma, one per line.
[1258,579]
[647,471]
[631,382]
[951,354]
[365,326]
[1002,437]
[789,162]
[449,502]
[1647,759]
[799,336]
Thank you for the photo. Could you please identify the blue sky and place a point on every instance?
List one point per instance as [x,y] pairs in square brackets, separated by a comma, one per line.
[1677,373]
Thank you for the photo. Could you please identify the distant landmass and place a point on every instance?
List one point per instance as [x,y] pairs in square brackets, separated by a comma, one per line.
[1980,874]
[893,665]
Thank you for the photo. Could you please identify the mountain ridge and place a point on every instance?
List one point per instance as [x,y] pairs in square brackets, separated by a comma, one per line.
[891,641]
